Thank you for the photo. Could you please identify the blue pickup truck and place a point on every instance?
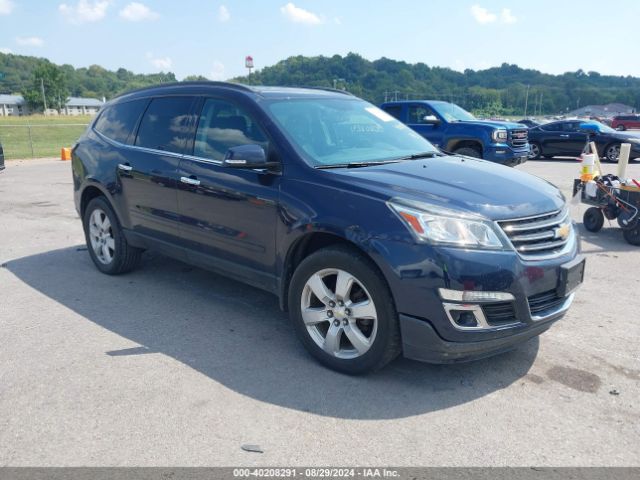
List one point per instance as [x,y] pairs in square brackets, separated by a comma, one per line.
[455,130]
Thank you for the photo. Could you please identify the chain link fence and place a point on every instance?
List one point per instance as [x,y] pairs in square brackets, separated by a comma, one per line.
[38,140]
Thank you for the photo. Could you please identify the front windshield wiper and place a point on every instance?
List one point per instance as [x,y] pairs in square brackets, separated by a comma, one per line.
[354,164]
[416,156]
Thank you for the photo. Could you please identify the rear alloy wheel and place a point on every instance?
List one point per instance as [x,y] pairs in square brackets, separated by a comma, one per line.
[612,153]
[534,151]
[621,128]
[107,245]
[343,312]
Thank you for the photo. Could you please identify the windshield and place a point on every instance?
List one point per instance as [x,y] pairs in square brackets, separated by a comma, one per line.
[452,112]
[602,128]
[337,131]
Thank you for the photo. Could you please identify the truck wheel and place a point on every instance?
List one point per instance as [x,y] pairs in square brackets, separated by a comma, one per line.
[534,151]
[468,152]
[632,235]
[593,219]
[106,243]
[343,312]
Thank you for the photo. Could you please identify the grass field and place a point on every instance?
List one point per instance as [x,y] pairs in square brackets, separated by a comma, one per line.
[39,136]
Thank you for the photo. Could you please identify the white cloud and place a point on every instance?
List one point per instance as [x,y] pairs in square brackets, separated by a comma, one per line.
[138,12]
[5,50]
[161,63]
[482,15]
[30,41]
[300,15]
[85,11]
[507,17]
[6,7]
[224,15]
[217,72]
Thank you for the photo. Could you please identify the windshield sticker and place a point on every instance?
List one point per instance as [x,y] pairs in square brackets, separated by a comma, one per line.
[382,115]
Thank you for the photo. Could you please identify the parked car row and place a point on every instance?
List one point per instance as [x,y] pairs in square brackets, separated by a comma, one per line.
[375,241]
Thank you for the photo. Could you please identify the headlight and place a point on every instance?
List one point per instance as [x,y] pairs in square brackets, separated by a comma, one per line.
[499,135]
[442,226]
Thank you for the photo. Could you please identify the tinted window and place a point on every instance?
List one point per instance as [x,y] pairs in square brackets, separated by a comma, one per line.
[223,125]
[419,114]
[552,127]
[118,121]
[571,126]
[395,111]
[165,125]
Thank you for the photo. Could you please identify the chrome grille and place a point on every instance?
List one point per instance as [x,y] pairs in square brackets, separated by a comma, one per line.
[544,301]
[542,235]
[519,137]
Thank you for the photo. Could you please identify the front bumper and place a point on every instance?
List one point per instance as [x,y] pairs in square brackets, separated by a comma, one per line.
[428,330]
[505,154]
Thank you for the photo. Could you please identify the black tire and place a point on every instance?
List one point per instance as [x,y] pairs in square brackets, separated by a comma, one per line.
[125,257]
[385,346]
[593,219]
[535,151]
[548,156]
[612,153]
[468,152]
[621,128]
[632,235]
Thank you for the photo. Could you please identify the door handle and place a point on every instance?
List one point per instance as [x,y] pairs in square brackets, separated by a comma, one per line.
[124,167]
[190,181]
[564,136]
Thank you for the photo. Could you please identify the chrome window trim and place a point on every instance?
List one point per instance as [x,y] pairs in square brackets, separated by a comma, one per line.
[115,143]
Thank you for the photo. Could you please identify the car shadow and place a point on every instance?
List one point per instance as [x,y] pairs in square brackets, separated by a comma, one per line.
[236,335]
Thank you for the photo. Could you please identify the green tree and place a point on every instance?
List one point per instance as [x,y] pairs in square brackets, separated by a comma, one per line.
[51,79]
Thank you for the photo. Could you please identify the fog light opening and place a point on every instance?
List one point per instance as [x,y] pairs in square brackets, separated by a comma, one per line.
[464,318]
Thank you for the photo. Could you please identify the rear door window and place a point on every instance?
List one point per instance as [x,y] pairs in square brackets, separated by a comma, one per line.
[166,124]
[118,121]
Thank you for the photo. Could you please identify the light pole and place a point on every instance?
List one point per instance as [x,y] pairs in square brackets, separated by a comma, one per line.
[526,101]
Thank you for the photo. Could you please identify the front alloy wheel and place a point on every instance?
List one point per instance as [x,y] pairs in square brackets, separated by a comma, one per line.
[343,311]
[339,313]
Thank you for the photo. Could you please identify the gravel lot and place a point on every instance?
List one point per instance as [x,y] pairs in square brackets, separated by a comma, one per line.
[172,365]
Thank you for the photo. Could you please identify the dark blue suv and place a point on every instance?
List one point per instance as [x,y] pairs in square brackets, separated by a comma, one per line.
[375,241]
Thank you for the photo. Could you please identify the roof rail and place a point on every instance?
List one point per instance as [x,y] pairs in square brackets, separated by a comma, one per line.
[238,86]
[328,89]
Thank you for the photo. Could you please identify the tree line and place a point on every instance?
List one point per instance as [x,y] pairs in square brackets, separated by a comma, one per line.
[502,90]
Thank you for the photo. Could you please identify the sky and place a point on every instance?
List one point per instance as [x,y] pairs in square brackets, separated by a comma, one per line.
[212,38]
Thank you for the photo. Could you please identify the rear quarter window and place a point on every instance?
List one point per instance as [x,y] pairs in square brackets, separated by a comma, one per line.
[166,124]
[118,121]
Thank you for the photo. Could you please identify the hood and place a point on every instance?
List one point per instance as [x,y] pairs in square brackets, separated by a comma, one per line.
[472,185]
[492,124]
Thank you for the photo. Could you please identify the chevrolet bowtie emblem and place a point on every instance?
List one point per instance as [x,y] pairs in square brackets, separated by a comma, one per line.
[562,231]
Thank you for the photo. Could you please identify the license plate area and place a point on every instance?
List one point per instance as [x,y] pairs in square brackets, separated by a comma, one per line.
[571,276]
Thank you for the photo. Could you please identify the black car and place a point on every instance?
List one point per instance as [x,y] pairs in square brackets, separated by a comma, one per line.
[1,158]
[376,242]
[528,123]
[567,138]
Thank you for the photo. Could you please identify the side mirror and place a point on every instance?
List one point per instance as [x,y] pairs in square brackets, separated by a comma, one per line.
[430,120]
[589,128]
[247,156]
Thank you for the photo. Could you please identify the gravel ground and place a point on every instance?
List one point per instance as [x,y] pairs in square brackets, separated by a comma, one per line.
[172,365]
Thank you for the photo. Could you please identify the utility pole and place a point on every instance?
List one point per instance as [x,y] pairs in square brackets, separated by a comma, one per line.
[526,101]
[540,108]
[44,98]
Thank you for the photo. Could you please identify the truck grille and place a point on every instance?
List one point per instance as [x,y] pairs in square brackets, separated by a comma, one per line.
[518,138]
[541,235]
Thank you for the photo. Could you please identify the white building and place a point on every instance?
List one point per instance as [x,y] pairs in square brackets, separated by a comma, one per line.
[15,105]
[12,105]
